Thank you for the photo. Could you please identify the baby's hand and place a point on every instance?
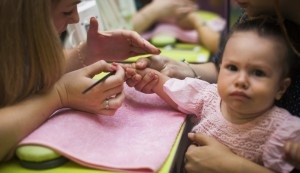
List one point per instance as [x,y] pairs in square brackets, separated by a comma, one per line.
[131,76]
[142,80]
[149,81]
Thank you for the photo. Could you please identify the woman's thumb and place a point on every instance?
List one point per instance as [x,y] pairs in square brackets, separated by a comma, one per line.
[93,28]
[98,67]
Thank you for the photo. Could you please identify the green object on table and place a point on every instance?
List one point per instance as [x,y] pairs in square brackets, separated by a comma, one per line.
[161,40]
[192,53]
[36,153]
[37,157]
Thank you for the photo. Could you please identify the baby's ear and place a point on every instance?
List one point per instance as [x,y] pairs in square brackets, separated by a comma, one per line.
[283,87]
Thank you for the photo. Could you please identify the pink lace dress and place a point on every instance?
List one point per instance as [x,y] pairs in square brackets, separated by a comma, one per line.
[260,141]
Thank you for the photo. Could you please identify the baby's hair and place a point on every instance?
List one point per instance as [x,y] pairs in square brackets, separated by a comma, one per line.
[269,27]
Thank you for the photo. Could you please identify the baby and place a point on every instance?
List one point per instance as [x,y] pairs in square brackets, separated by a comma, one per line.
[239,111]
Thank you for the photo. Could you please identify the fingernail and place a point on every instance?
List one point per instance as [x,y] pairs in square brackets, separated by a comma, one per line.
[190,135]
[114,66]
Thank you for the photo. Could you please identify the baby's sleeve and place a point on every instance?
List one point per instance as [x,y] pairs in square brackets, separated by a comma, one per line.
[273,154]
[187,93]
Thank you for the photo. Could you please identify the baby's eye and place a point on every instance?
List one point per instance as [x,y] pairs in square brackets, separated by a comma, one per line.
[259,73]
[232,67]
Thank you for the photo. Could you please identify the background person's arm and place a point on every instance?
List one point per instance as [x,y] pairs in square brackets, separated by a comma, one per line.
[161,10]
[177,69]
[208,37]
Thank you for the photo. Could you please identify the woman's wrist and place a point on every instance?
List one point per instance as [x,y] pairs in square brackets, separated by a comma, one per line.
[194,74]
[58,93]
[81,53]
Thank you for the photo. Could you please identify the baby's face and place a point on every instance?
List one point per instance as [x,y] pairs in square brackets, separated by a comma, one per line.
[250,74]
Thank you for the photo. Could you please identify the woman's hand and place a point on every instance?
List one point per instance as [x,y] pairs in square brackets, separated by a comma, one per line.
[177,69]
[292,153]
[105,98]
[165,65]
[115,45]
[207,155]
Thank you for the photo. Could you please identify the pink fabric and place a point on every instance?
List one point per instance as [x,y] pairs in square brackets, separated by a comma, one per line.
[189,36]
[138,137]
[260,141]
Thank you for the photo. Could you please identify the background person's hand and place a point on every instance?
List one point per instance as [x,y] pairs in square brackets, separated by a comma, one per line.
[72,84]
[171,10]
[115,45]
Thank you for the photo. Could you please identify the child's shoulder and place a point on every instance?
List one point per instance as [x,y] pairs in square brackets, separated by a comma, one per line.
[288,125]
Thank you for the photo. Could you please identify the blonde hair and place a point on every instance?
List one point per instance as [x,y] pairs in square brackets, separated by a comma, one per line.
[31,55]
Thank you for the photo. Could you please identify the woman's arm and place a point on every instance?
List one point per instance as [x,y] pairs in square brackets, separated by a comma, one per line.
[145,17]
[177,69]
[18,120]
[208,37]
[161,10]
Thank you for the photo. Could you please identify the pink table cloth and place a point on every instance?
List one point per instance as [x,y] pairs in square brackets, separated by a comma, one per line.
[138,137]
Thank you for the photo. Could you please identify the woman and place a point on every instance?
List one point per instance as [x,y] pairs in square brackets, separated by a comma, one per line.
[213,156]
[32,54]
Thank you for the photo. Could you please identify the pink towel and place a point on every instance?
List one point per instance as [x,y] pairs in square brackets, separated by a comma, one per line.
[138,137]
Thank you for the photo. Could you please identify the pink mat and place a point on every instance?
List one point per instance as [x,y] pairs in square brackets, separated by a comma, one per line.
[138,137]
